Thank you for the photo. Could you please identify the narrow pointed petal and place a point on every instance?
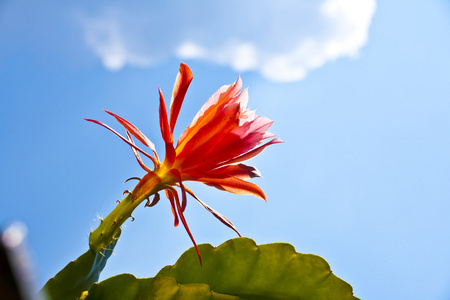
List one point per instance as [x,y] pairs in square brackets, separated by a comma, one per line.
[163,121]
[240,171]
[216,214]
[155,200]
[254,152]
[172,206]
[182,83]
[165,130]
[124,139]
[134,131]
[136,153]
[177,174]
[183,220]
[235,185]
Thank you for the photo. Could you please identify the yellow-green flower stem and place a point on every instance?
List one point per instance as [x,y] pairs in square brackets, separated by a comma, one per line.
[109,227]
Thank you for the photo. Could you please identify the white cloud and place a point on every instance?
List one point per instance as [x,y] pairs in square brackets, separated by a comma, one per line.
[283,40]
[111,42]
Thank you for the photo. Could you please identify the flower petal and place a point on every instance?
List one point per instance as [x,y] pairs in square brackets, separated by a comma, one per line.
[154,201]
[136,153]
[183,220]
[224,94]
[210,108]
[235,185]
[253,153]
[219,216]
[134,131]
[240,171]
[165,130]
[172,206]
[124,139]
[194,149]
[182,83]
[163,121]
[177,174]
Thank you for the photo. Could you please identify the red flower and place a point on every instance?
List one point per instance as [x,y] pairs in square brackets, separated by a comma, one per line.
[223,134]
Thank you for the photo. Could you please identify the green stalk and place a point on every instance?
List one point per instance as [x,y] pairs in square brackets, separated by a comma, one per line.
[110,226]
[106,231]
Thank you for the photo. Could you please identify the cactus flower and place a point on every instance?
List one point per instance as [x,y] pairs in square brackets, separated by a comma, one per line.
[223,134]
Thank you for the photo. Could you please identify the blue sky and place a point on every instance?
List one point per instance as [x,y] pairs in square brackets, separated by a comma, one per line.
[359,92]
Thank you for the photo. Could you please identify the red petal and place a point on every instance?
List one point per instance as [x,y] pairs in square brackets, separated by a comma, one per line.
[136,153]
[238,141]
[219,216]
[177,174]
[124,139]
[180,213]
[155,200]
[163,121]
[170,154]
[224,94]
[134,131]
[235,185]
[172,206]
[193,151]
[165,130]
[209,109]
[182,82]
[253,153]
[240,171]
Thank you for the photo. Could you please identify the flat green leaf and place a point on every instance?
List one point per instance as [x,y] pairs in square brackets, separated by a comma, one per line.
[273,271]
[78,275]
[126,286]
[237,269]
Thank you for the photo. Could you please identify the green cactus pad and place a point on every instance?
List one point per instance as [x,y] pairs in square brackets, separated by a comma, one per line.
[126,286]
[238,269]
[273,271]
[78,275]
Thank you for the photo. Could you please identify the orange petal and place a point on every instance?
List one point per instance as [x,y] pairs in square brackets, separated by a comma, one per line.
[163,121]
[210,108]
[219,216]
[124,139]
[165,130]
[235,185]
[154,201]
[180,213]
[136,153]
[172,206]
[177,174]
[182,83]
[240,171]
[253,153]
[194,148]
[134,131]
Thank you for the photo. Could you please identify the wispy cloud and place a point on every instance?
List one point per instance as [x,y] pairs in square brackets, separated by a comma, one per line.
[283,40]
[109,40]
